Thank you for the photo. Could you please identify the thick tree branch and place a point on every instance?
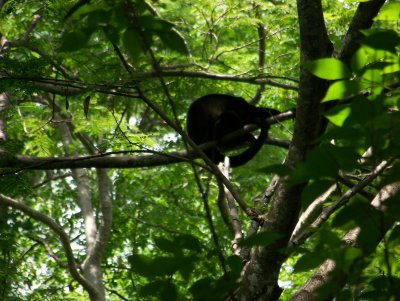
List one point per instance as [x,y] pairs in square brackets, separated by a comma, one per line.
[66,88]
[104,160]
[363,19]
[94,247]
[259,280]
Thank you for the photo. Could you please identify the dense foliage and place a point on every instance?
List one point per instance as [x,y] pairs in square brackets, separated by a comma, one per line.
[102,196]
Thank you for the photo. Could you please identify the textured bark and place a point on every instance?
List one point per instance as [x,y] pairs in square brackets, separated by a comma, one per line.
[363,19]
[260,275]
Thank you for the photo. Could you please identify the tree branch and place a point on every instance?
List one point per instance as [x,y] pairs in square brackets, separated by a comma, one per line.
[260,275]
[328,211]
[363,19]
[328,272]
[59,231]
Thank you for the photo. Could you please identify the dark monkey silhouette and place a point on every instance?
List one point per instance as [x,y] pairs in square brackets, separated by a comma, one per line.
[213,116]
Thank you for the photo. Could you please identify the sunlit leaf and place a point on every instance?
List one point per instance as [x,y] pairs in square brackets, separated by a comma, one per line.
[328,68]
[389,12]
[392,68]
[338,114]
[373,76]
[355,1]
[342,89]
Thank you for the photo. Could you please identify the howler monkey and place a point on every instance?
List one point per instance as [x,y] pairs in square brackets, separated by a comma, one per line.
[213,116]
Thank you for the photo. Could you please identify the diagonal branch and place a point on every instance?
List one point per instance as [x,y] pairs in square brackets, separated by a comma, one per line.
[363,19]
[328,211]
[328,272]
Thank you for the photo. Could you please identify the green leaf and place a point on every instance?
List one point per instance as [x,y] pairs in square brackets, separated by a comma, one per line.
[142,265]
[373,77]
[86,10]
[159,266]
[350,254]
[166,245]
[133,44]
[342,89]
[99,17]
[328,68]
[338,114]
[202,288]
[165,30]
[235,264]
[394,237]
[347,157]
[76,40]
[389,12]
[188,242]
[165,289]
[308,262]
[261,239]
[279,169]
[383,40]
[360,59]
[392,68]
[173,40]
[111,33]
[168,291]
[153,23]
[163,266]
[355,1]
[186,266]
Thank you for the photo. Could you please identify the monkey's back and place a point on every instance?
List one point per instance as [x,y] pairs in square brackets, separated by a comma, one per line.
[206,111]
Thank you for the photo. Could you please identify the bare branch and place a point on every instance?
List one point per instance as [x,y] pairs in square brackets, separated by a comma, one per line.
[229,209]
[7,44]
[309,215]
